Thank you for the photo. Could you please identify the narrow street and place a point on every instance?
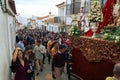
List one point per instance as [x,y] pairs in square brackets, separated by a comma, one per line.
[82,35]
[46,74]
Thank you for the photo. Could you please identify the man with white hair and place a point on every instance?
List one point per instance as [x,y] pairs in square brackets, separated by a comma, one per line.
[116,73]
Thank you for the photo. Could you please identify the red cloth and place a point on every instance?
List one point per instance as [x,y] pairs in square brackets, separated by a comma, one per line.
[90,71]
[107,13]
[108,18]
[88,33]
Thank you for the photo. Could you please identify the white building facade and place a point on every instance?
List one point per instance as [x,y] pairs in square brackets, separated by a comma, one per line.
[62,17]
[52,27]
[7,36]
[74,7]
[23,21]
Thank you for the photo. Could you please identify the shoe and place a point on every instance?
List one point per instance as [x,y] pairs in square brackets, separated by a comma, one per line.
[53,76]
[48,62]
[41,70]
[37,74]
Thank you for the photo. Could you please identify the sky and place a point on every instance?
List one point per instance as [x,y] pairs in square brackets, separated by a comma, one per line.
[29,8]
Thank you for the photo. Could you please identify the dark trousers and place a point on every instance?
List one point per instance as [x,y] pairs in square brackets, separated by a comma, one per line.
[43,58]
[68,71]
[49,58]
[53,69]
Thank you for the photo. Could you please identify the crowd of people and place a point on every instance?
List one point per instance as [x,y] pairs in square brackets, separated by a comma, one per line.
[32,48]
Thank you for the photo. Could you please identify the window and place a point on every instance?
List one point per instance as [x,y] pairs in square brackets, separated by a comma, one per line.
[73,8]
[87,6]
[68,9]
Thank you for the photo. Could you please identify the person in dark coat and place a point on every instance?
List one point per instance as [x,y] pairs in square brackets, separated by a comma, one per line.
[59,61]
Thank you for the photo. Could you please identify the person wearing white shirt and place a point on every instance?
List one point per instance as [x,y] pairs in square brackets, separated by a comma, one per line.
[39,50]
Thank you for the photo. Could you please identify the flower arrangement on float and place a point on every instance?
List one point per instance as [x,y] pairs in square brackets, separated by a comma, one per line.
[95,14]
[112,34]
[74,31]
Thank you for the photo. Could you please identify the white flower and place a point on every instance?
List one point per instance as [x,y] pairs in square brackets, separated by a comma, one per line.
[72,32]
[76,32]
[105,35]
[116,41]
[117,37]
[69,33]
[97,19]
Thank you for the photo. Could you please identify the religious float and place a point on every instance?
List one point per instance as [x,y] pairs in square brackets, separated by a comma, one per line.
[93,57]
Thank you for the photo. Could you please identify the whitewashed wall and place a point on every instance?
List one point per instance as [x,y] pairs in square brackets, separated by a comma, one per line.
[7,42]
[52,27]
[39,23]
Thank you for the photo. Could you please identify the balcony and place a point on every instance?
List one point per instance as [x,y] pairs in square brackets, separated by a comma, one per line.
[59,19]
[73,8]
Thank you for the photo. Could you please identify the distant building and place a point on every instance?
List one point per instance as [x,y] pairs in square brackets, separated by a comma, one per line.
[19,26]
[45,23]
[74,8]
[21,22]
[32,24]
[51,26]
[40,21]
[48,23]
[7,36]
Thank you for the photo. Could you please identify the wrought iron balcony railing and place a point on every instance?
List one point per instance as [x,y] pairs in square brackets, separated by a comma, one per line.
[73,8]
[59,19]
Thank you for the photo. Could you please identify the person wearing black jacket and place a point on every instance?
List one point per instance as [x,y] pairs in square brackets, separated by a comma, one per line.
[45,41]
[59,61]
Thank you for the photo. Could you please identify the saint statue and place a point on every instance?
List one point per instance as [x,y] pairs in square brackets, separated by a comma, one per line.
[83,20]
[108,17]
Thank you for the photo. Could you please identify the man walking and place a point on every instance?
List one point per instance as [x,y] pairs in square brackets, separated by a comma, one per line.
[59,61]
[39,50]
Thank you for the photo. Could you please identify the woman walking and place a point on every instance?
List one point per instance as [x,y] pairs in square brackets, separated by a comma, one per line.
[19,65]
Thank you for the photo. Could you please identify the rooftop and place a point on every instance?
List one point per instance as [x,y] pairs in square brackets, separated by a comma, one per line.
[40,18]
[12,5]
[61,5]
